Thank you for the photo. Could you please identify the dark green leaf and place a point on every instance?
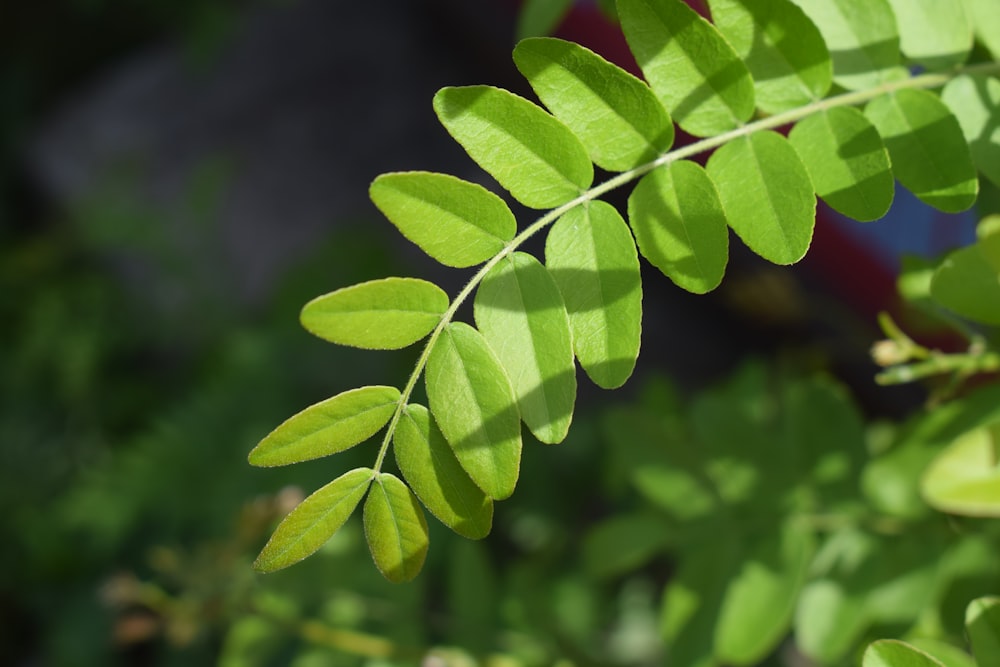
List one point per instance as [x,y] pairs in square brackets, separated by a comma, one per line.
[386,314]
[456,222]
[520,312]
[975,101]
[680,226]
[430,468]
[591,255]
[395,529]
[982,622]
[529,152]
[327,427]
[935,34]
[623,544]
[314,521]
[615,115]
[473,403]
[689,65]
[541,17]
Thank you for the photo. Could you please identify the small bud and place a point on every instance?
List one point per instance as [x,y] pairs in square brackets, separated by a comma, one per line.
[889,353]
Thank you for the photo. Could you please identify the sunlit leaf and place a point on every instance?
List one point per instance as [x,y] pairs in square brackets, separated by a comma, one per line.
[520,312]
[862,37]
[395,529]
[767,195]
[327,427]
[689,65]
[614,114]
[935,33]
[680,226]
[982,622]
[930,156]
[473,403]
[385,314]
[430,468]
[782,48]
[948,655]
[965,477]
[968,283]
[893,653]
[541,17]
[847,161]
[456,222]
[592,257]
[529,152]
[314,521]
[984,15]
[975,101]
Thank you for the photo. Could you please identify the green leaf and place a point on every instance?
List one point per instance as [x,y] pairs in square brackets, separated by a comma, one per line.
[935,33]
[474,405]
[829,620]
[967,282]
[430,468]
[862,38]
[781,47]
[982,622]
[689,65]
[591,256]
[457,223]
[386,314]
[975,101]
[984,16]
[893,653]
[767,195]
[680,226]
[395,529]
[965,477]
[520,312]
[929,154]
[847,161]
[541,17]
[614,114]
[529,152]
[327,427]
[947,654]
[623,544]
[314,521]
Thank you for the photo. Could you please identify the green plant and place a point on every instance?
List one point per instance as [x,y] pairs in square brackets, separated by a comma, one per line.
[807,64]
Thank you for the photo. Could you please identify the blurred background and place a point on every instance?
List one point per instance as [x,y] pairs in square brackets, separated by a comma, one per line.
[177,178]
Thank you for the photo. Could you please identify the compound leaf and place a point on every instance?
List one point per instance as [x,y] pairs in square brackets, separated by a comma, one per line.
[592,257]
[474,405]
[894,653]
[767,195]
[530,153]
[385,314]
[520,312]
[862,37]
[782,48]
[395,529]
[692,69]
[314,521]
[680,226]
[935,33]
[964,478]
[327,427]
[847,161]
[975,101]
[930,156]
[982,622]
[614,114]
[457,223]
[430,468]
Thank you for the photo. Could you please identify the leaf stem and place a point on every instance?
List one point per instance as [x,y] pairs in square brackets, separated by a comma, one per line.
[930,80]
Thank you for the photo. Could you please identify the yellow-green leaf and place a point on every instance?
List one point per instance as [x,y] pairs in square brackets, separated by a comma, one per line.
[975,101]
[894,653]
[935,33]
[965,477]
[395,529]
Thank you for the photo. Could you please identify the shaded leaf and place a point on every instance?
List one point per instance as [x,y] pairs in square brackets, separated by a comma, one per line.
[385,314]
[767,195]
[935,33]
[430,468]
[623,543]
[929,154]
[457,223]
[314,521]
[541,17]
[521,314]
[614,114]
[893,653]
[592,257]
[862,37]
[529,152]
[982,622]
[847,161]
[689,65]
[967,282]
[474,405]
[965,477]
[395,529]
[327,427]
[829,619]
[781,47]
[680,226]
[975,101]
